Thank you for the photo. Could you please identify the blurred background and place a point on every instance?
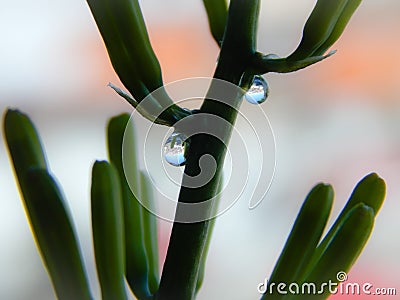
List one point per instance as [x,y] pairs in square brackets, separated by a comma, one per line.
[334,122]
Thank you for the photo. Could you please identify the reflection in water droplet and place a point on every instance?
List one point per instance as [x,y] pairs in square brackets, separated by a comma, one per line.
[174,149]
[258,92]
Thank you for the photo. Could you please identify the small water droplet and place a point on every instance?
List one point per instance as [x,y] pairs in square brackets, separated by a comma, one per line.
[174,149]
[258,92]
[271,56]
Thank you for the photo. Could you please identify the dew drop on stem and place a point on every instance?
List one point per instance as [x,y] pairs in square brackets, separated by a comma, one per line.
[175,148]
[258,91]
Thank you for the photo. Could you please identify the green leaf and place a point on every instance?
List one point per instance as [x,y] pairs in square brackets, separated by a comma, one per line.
[322,29]
[217,12]
[108,230]
[318,27]
[137,271]
[54,235]
[303,238]
[122,27]
[124,32]
[150,234]
[371,191]
[44,205]
[24,145]
[344,248]
[341,24]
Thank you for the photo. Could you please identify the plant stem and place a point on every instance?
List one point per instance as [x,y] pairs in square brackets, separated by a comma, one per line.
[187,240]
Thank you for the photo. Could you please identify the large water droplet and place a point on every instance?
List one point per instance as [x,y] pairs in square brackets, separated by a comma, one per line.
[174,149]
[258,92]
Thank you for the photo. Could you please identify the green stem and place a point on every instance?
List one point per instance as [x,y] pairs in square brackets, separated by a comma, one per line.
[200,276]
[187,240]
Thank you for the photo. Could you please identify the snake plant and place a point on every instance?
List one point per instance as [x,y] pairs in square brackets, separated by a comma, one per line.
[124,230]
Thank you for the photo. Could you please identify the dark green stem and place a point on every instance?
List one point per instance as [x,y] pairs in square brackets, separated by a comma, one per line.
[187,240]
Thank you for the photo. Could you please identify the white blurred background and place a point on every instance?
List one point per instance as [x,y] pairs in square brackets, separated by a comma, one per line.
[334,122]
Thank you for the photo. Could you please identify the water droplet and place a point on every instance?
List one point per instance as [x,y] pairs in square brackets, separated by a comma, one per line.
[271,56]
[174,149]
[258,92]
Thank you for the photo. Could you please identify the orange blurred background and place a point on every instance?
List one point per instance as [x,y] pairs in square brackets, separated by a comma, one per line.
[334,122]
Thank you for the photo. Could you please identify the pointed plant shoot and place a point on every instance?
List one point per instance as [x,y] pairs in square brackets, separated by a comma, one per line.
[55,236]
[108,231]
[24,145]
[322,29]
[137,270]
[124,32]
[341,24]
[303,238]
[371,191]
[150,230]
[324,26]
[45,208]
[344,248]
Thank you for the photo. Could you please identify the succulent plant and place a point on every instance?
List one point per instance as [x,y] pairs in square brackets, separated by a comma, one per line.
[124,230]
